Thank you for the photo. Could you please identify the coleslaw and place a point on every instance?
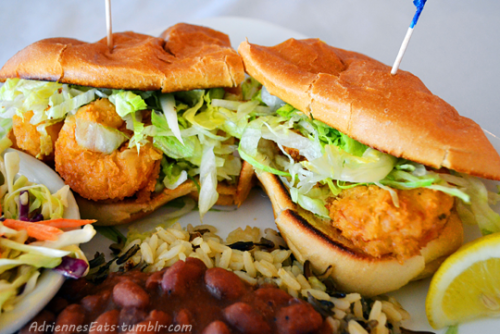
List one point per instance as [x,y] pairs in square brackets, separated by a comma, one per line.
[33,236]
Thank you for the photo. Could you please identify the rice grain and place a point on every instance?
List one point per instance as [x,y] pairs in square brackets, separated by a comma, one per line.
[288,279]
[355,328]
[249,265]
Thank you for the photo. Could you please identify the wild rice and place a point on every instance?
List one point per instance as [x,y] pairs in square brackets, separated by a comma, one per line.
[259,265]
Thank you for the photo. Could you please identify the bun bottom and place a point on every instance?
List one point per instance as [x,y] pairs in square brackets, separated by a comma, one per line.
[128,210]
[313,239]
[110,213]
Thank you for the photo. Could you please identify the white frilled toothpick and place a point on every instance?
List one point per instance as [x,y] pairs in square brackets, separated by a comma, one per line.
[108,25]
[420,6]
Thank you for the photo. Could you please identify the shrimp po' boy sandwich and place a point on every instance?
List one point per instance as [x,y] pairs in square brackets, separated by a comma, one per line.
[370,175]
[132,128]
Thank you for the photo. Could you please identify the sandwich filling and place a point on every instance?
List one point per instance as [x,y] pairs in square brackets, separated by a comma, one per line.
[114,143]
[367,216]
[385,205]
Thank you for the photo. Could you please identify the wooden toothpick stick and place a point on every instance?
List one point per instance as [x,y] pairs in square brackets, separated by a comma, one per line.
[108,25]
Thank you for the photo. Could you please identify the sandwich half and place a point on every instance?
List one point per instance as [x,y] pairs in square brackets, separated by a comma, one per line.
[369,174]
[131,128]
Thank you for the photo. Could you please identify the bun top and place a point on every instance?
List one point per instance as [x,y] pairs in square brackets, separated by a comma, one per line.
[186,57]
[358,96]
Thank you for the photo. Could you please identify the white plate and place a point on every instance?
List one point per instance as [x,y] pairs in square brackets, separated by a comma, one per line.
[50,281]
[257,211]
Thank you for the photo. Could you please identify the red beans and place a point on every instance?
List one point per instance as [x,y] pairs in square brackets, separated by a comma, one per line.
[70,320]
[154,280]
[216,327]
[181,275]
[298,318]
[273,296]
[106,323]
[130,294]
[183,317]
[245,318]
[156,322]
[95,303]
[224,284]
[130,316]
[160,318]
[37,325]
[185,298]
[267,300]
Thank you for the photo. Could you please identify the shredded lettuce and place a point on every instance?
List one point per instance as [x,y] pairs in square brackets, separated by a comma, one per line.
[168,105]
[273,102]
[129,105]
[127,102]
[174,175]
[477,210]
[208,180]
[337,164]
[204,146]
[250,88]
[314,205]
[5,126]
[48,101]
[97,137]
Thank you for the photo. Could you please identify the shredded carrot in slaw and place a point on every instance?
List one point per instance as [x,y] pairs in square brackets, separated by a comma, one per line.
[66,223]
[35,230]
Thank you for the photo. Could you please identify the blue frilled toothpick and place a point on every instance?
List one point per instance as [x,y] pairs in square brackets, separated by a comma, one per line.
[420,6]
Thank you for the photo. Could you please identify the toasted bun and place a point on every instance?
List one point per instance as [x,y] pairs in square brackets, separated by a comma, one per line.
[312,239]
[186,57]
[110,213]
[358,96]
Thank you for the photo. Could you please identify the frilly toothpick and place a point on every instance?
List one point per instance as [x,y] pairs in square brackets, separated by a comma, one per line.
[420,6]
[108,25]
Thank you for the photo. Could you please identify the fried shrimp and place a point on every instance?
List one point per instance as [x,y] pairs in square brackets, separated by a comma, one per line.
[367,216]
[99,176]
[30,140]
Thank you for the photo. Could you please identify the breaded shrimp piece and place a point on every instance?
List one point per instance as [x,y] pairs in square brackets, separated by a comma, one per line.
[367,216]
[98,176]
[29,140]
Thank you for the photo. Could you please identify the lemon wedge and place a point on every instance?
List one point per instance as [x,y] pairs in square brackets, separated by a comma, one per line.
[467,285]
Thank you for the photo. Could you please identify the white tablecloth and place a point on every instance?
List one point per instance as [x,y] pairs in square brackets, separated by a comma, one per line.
[455,48]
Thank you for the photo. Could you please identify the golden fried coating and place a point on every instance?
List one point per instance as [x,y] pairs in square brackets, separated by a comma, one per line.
[101,111]
[367,216]
[98,176]
[28,138]
[294,153]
